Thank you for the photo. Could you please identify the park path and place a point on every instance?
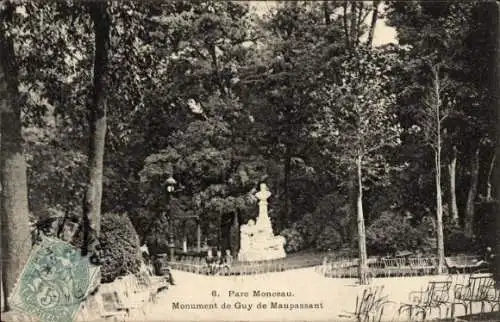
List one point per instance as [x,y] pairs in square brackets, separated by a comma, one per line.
[337,296]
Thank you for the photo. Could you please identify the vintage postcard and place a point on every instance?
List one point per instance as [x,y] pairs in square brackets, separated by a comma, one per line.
[249,160]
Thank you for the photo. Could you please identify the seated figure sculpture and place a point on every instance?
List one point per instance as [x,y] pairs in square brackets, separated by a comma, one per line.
[257,239]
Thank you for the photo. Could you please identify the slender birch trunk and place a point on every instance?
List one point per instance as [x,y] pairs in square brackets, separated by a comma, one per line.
[452,170]
[488,180]
[363,258]
[471,197]
[437,151]
[373,24]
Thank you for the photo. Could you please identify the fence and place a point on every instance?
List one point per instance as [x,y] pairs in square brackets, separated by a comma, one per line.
[199,266]
[395,267]
[326,264]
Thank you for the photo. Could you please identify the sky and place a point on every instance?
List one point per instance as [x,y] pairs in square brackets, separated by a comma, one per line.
[383,33]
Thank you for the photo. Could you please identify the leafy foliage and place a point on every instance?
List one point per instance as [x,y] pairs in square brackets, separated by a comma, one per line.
[357,120]
[120,247]
[329,239]
[392,232]
[222,99]
[294,241]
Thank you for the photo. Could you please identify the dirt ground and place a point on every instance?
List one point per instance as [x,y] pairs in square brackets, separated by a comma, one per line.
[271,297]
[335,299]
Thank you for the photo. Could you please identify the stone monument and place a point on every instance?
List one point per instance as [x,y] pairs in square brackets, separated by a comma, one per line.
[257,239]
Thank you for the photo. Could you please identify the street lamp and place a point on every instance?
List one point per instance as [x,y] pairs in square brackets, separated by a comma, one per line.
[170,189]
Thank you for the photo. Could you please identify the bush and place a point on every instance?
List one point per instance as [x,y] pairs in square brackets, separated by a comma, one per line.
[329,239]
[392,232]
[294,240]
[456,242]
[120,247]
[308,229]
[332,212]
[485,224]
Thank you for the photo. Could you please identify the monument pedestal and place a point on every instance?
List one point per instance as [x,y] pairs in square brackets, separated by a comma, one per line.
[257,239]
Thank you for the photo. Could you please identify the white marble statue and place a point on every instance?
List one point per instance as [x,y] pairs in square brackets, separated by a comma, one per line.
[263,221]
[246,231]
[257,239]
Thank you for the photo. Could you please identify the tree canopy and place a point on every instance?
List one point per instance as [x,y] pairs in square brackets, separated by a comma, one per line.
[222,98]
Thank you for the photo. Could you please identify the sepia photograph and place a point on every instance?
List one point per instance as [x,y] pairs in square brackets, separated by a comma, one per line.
[193,160]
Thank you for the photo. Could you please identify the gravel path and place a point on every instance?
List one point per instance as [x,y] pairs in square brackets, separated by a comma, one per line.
[330,299]
[266,297]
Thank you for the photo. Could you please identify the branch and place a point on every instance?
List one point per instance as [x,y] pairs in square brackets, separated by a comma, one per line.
[346,28]
[373,24]
[383,144]
[254,39]
[443,118]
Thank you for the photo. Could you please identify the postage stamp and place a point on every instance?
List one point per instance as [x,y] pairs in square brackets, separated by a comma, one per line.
[55,281]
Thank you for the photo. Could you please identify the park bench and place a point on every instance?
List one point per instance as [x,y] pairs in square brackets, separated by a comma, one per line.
[138,291]
[480,289]
[342,268]
[369,305]
[152,284]
[422,265]
[393,266]
[337,269]
[463,264]
[127,297]
[111,305]
[423,302]
[109,302]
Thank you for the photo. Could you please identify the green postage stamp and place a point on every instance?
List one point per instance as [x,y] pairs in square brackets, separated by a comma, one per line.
[55,281]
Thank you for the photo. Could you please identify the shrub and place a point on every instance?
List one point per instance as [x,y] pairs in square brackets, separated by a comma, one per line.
[120,247]
[308,229]
[484,224]
[332,212]
[294,241]
[456,242]
[329,239]
[392,232]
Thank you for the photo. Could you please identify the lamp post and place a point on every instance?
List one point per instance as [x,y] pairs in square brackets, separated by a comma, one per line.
[170,189]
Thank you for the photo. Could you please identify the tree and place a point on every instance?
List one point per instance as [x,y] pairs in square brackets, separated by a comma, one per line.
[97,119]
[452,170]
[296,33]
[433,115]
[358,127]
[456,35]
[494,25]
[200,100]
[15,225]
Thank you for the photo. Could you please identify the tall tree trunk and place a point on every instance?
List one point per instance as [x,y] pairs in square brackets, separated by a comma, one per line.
[97,121]
[326,12]
[488,179]
[373,24]
[494,83]
[353,24]
[15,226]
[286,184]
[360,219]
[215,65]
[359,20]
[346,23]
[352,193]
[198,234]
[439,197]
[439,214]
[452,167]
[471,197]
